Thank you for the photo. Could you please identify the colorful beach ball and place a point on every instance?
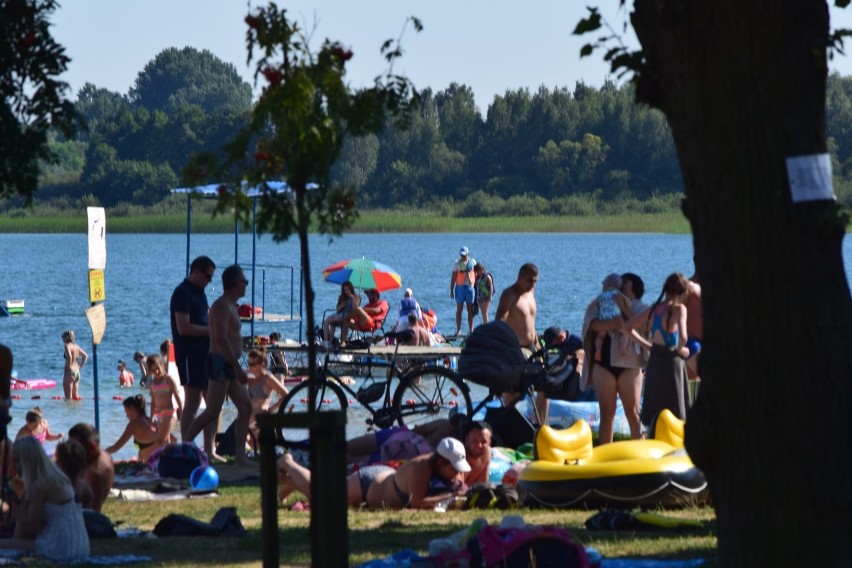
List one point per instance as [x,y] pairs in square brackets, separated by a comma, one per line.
[204,478]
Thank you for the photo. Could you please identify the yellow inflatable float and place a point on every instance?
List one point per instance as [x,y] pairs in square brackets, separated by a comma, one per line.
[569,472]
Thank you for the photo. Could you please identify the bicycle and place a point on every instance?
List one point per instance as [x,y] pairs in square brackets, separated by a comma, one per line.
[425,392]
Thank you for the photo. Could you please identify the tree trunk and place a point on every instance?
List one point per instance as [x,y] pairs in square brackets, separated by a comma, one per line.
[743,88]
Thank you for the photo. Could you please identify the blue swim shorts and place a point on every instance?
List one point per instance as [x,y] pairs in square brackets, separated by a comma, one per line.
[218,369]
[465,294]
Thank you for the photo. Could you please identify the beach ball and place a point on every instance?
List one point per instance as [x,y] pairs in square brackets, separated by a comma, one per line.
[204,478]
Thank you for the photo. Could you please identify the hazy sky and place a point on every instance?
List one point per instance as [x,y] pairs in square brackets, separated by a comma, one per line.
[491,46]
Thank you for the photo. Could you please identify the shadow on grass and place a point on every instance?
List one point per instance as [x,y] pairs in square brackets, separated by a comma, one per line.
[367,543]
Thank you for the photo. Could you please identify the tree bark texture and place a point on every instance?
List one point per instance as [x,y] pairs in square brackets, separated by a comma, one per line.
[743,87]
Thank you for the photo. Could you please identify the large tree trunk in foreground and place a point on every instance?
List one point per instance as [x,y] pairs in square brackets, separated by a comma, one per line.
[743,87]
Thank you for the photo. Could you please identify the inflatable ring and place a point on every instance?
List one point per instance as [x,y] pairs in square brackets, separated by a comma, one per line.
[568,472]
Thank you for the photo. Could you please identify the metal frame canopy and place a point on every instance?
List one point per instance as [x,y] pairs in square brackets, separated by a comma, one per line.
[211,191]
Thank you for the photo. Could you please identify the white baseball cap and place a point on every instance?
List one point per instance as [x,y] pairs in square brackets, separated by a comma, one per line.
[453,451]
[463,251]
[408,293]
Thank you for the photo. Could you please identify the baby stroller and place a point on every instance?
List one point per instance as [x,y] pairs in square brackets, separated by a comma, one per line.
[492,357]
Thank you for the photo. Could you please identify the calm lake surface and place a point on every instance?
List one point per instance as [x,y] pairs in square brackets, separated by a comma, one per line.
[50,273]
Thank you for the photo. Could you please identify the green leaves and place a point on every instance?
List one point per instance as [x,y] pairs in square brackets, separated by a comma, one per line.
[33,98]
[620,58]
[590,24]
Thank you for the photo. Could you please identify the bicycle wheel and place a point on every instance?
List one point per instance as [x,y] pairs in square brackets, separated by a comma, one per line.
[330,397]
[429,393]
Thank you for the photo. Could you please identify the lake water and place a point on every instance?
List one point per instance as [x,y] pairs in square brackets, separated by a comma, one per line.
[50,273]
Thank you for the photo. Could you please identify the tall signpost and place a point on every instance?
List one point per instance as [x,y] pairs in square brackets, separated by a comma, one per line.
[96,314]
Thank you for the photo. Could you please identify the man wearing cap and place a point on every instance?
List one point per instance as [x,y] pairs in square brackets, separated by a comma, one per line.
[423,482]
[461,287]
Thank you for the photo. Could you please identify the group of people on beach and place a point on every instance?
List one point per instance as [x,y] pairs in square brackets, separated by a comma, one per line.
[621,335]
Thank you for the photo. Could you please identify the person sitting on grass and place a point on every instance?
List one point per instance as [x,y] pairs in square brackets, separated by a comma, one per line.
[420,483]
[100,470]
[37,426]
[49,519]
[139,427]
[71,459]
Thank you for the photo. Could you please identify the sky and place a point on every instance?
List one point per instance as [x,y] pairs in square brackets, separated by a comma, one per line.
[491,46]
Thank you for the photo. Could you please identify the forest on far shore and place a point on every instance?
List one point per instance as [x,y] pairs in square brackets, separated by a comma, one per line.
[548,152]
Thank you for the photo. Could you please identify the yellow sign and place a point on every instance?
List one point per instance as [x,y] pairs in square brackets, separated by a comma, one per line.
[97,321]
[97,289]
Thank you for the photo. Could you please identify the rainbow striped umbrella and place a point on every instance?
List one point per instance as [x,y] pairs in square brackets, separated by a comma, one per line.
[364,274]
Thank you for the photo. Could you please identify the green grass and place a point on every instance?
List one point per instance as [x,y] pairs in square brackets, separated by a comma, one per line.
[369,222]
[372,534]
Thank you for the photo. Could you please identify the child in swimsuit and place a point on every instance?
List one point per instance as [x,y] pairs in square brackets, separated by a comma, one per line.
[612,304]
[125,377]
[37,427]
[164,390]
[139,427]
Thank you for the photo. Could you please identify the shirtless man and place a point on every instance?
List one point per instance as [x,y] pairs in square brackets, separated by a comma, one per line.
[100,471]
[477,445]
[517,308]
[694,325]
[225,376]
[421,334]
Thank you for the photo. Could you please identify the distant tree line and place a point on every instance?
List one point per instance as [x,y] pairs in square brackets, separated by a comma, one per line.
[552,150]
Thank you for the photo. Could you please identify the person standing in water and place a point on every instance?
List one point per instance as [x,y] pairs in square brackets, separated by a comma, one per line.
[75,358]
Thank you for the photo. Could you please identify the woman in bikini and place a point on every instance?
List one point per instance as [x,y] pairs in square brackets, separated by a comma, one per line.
[164,390]
[139,427]
[37,427]
[262,384]
[420,483]
[75,358]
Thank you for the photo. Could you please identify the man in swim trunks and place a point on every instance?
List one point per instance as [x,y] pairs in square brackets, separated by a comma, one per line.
[225,376]
[461,287]
[517,308]
[191,337]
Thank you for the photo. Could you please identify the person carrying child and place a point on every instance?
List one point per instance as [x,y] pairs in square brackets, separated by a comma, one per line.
[612,304]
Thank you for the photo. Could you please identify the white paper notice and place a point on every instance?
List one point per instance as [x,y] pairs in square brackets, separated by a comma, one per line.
[810,178]
[97,237]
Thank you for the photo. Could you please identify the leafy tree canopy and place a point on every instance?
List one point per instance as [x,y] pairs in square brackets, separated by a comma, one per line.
[33,98]
[182,77]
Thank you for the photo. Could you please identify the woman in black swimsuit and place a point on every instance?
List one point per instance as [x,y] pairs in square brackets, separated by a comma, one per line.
[615,376]
[139,427]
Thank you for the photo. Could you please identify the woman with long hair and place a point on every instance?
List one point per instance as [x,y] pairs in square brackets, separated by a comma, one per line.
[139,427]
[50,520]
[666,383]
